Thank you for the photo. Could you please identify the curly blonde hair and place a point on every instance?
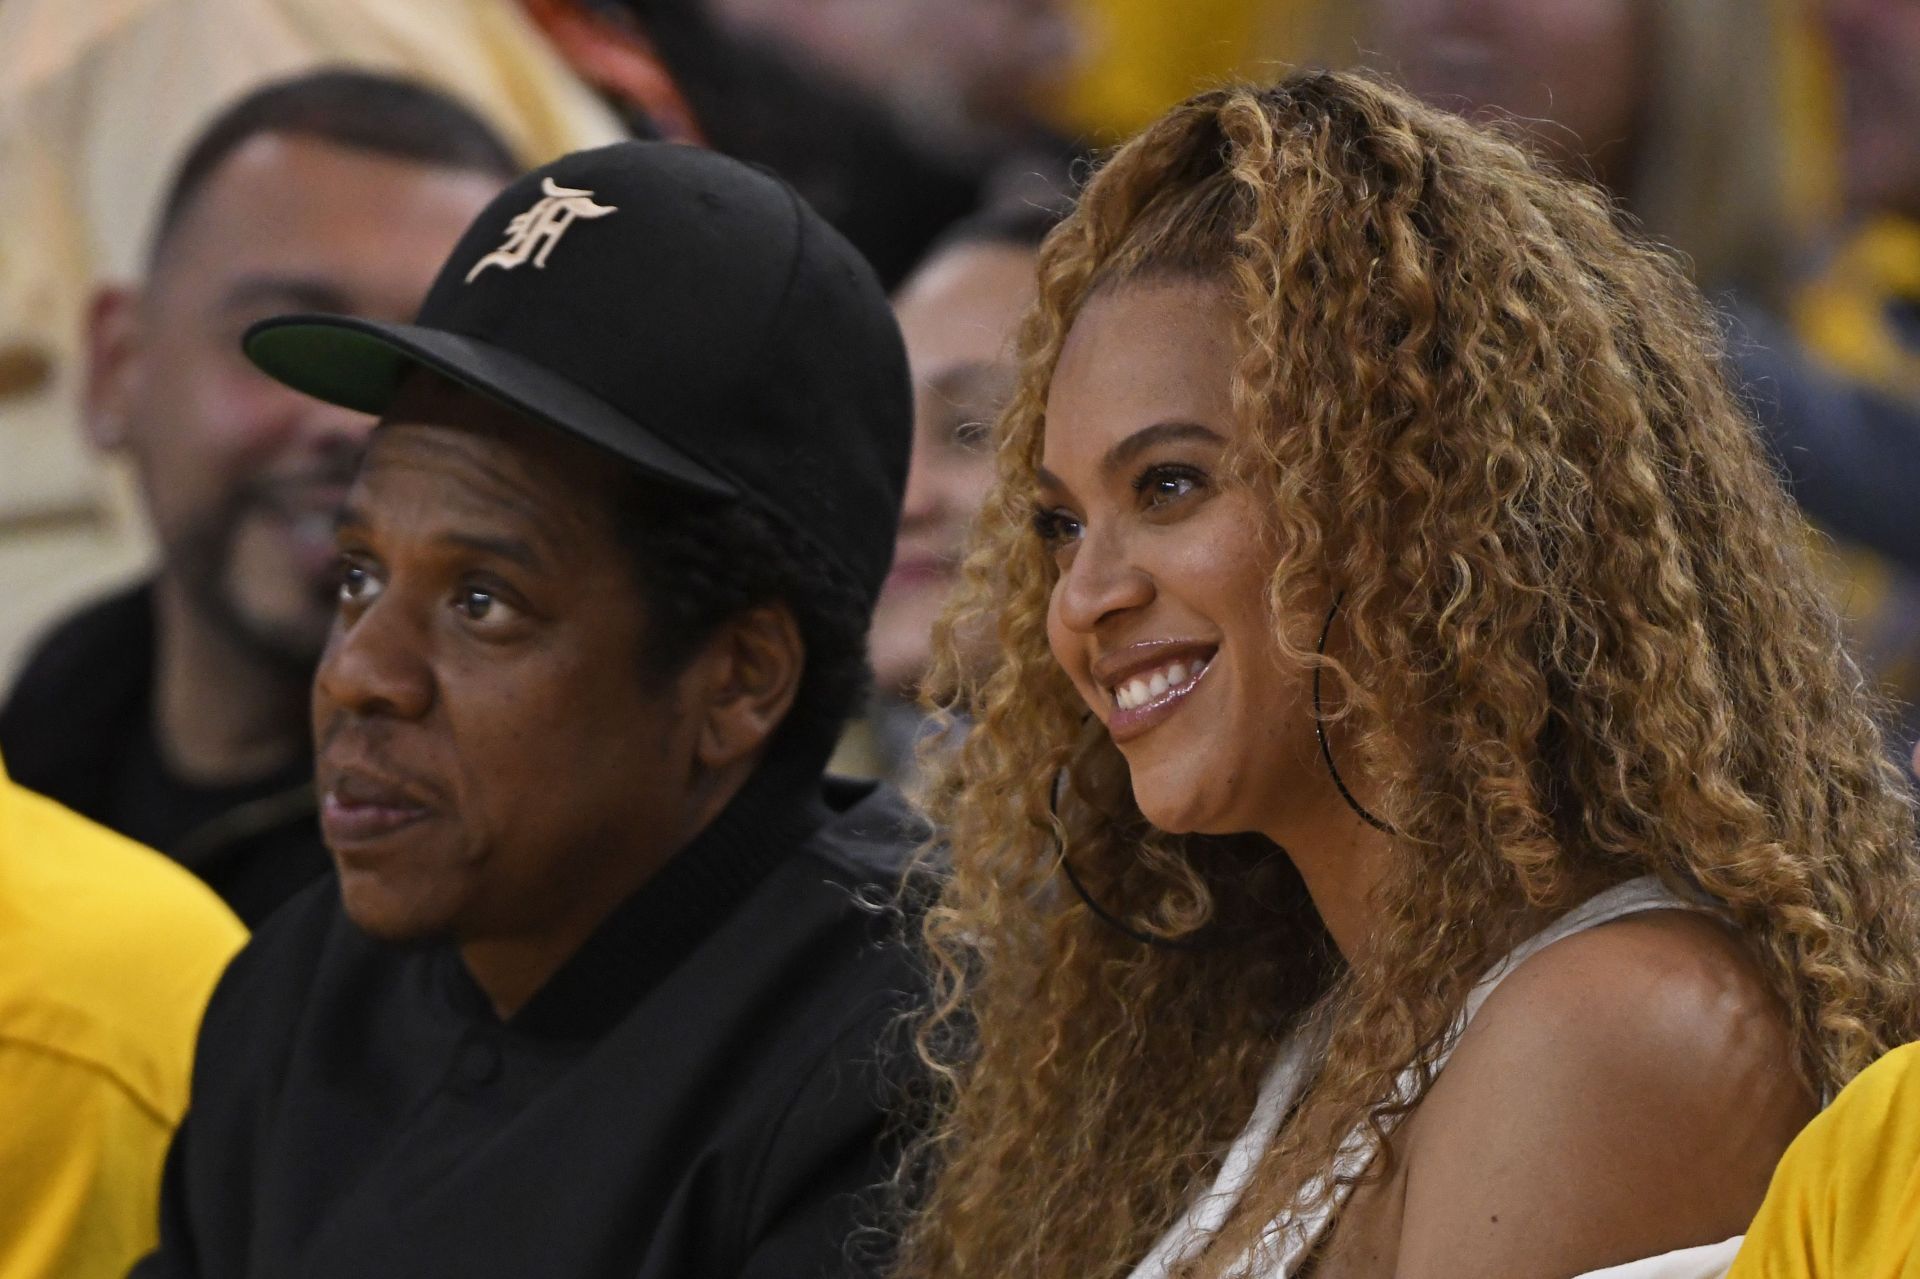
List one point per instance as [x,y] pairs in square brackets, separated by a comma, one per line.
[1499,427]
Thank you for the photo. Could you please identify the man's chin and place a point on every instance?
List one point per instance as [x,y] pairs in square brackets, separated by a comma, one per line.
[388,913]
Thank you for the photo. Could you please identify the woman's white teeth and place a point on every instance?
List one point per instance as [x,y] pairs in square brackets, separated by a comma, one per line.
[1142,689]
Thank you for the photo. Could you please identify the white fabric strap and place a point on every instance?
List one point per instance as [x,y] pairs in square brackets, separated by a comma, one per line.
[1710,1261]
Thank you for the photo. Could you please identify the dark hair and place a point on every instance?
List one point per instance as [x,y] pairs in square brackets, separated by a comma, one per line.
[1018,224]
[700,562]
[359,110]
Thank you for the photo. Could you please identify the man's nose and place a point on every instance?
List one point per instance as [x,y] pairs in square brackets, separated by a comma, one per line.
[1100,581]
[377,663]
[330,428]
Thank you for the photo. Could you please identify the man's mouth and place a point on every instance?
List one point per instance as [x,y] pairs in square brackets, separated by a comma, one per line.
[359,807]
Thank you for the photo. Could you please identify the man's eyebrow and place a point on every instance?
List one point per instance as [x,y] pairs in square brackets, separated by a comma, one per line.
[1159,433]
[349,516]
[288,292]
[513,549]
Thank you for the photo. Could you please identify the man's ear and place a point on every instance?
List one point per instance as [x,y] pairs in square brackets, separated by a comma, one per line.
[753,668]
[113,356]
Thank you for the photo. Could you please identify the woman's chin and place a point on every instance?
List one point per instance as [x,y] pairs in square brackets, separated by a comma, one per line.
[1175,809]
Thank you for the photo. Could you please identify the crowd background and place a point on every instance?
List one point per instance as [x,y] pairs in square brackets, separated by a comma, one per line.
[1774,144]
[1717,123]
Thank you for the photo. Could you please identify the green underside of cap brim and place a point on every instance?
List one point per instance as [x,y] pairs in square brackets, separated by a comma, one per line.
[360,365]
[353,369]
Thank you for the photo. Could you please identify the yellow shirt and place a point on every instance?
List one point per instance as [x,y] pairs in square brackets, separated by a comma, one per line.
[107,955]
[1845,1201]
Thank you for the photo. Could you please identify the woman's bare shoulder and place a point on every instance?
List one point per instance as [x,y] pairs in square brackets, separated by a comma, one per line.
[1625,1092]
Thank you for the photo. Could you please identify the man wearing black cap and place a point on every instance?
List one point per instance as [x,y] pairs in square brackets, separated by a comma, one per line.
[597,992]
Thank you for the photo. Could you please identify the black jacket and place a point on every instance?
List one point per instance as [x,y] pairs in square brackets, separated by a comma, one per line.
[78,727]
[698,1092]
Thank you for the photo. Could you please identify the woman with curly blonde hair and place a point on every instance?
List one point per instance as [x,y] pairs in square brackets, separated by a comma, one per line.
[1408,661]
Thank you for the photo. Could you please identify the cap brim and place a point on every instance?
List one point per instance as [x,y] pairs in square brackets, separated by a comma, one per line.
[359,364]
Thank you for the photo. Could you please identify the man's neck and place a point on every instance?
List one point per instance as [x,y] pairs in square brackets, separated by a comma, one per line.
[512,969]
[222,714]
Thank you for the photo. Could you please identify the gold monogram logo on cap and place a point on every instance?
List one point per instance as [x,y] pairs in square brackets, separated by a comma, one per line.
[534,233]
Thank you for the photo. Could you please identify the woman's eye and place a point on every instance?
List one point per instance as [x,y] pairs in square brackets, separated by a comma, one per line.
[973,436]
[1160,485]
[1055,528]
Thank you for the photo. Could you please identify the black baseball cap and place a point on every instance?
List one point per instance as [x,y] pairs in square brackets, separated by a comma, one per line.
[684,311]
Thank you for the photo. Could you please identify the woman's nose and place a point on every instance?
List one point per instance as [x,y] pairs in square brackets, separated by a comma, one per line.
[1100,581]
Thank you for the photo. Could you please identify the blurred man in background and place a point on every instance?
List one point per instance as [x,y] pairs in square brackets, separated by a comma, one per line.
[99,103]
[175,712]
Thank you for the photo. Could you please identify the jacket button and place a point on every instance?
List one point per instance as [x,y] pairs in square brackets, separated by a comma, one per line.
[478,1063]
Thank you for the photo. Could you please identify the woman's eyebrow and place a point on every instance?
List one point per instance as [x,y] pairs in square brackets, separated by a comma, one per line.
[1159,433]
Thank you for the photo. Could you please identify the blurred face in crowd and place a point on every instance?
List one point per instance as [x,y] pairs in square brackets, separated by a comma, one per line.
[1159,615]
[489,750]
[958,314]
[241,475]
[1569,71]
[1876,44]
[953,67]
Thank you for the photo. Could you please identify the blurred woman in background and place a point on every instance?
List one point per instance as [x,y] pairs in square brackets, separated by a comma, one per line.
[1420,820]
[958,312]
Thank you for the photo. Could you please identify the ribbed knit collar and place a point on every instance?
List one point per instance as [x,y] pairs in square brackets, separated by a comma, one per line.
[667,918]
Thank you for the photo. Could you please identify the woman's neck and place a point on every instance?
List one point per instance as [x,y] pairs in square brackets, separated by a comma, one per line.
[1342,861]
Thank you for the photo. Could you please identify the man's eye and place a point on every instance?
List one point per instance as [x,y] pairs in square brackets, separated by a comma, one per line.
[357,584]
[475,603]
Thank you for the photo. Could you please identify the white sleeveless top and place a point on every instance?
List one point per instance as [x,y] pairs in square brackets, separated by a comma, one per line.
[1291,1237]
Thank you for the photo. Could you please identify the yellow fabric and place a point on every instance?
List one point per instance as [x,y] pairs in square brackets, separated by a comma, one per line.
[107,955]
[1842,314]
[99,99]
[1845,1201]
[1145,55]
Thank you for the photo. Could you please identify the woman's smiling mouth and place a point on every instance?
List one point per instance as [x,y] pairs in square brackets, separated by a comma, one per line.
[1153,687]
